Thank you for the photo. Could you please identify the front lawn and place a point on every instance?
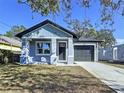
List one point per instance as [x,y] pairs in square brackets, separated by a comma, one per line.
[48,79]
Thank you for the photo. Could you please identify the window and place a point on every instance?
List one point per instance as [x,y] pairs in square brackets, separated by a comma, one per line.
[43,47]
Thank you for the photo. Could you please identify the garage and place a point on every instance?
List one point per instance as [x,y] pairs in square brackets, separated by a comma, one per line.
[84,53]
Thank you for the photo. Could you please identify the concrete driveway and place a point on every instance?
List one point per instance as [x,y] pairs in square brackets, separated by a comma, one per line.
[110,75]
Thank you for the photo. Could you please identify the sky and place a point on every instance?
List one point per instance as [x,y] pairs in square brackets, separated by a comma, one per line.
[12,13]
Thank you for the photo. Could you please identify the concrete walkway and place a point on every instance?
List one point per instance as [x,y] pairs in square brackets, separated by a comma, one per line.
[110,75]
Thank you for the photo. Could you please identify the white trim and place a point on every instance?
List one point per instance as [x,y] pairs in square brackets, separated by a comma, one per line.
[115,54]
[58,51]
[47,37]
[84,43]
[36,52]
[87,44]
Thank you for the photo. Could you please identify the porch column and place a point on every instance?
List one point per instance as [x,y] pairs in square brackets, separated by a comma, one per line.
[25,52]
[97,46]
[53,51]
[70,51]
[96,52]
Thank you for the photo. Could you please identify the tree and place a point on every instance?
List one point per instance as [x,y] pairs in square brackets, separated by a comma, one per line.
[46,7]
[81,28]
[86,30]
[76,26]
[108,8]
[14,30]
[91,33]
[107,36]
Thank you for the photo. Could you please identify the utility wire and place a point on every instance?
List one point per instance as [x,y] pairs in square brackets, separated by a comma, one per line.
[3,23]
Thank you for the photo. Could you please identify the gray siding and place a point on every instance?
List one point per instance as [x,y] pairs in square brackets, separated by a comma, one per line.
[121,52]
[47,31]
[32,53]
[108,55]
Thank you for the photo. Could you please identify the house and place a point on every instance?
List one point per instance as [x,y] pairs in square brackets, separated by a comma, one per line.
[7,43]
[113,53]
[48,42]
[10,45]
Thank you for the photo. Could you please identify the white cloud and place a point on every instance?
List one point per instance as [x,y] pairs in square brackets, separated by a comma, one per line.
[120,41]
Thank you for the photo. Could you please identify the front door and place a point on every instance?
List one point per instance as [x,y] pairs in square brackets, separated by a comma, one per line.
[62,51]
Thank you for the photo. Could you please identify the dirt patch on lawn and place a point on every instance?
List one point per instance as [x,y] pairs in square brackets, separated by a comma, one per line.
[49,79]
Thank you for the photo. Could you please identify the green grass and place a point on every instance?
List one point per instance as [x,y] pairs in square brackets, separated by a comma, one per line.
[48,79]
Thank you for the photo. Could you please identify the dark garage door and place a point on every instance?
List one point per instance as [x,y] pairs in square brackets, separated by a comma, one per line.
[84,53]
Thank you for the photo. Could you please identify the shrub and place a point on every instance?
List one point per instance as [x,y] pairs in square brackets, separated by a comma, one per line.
[6,60]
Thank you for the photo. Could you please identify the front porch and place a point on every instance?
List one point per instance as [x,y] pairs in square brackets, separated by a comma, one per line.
[48,50]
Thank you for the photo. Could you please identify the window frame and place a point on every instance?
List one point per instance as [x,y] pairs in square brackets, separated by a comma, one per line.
[36,48]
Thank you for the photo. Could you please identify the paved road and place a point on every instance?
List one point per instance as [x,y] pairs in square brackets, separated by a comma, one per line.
[110,75]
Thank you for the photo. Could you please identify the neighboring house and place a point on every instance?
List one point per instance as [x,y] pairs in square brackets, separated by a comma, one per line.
[51,43]
[12,45]
[113,53]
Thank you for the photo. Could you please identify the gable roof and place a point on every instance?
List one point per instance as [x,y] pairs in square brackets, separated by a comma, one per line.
[43,23]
